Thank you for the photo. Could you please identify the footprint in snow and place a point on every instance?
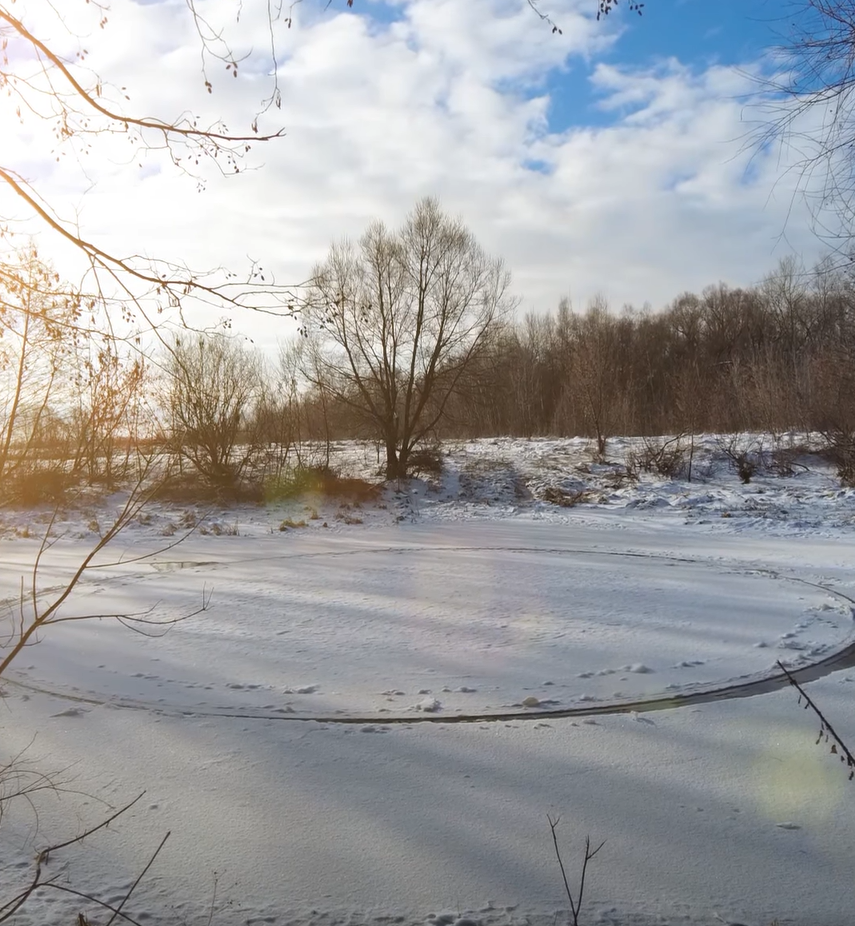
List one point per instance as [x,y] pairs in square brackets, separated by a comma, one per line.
[429,705]
[788,826]
[71,712]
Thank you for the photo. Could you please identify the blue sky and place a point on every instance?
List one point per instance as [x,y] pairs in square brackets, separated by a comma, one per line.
[698,33]
[720,31]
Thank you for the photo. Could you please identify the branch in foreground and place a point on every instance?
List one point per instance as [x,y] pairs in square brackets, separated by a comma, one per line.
[826,731]
[30,625]
[38,882]
[575,903]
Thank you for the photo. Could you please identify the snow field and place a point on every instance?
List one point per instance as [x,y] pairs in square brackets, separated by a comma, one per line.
[462,597]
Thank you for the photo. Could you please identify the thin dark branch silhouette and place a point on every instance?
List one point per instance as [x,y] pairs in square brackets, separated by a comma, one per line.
[575,902]
[826,730]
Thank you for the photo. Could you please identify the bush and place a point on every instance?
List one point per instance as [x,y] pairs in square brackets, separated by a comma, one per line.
[426,461]
[841,452]
[36,486]
[319,481]
[784,461]
[665,457]
[188,488]
[745,455]
[557,496]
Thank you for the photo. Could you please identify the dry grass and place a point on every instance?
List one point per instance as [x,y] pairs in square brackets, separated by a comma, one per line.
[321,483]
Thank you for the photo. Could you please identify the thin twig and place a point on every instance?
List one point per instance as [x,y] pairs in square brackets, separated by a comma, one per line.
[96,900]
[575,903]
[118,911]
[45,853]
[826,730]
[553,825]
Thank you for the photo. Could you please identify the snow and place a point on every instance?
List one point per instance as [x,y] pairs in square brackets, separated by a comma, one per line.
[503,652]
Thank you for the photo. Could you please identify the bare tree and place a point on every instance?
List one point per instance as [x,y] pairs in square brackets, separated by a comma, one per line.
[40,328]
[598,385]
[109,411]
[810,110]
[212,385]
[397,321]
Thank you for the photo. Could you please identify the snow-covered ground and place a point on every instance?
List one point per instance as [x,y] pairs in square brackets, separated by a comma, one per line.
[377,710]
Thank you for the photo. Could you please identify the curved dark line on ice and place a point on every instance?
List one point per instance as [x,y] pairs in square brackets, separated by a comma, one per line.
[843,659]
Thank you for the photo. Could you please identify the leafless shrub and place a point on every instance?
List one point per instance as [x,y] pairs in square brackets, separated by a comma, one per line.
[841,451]
[618,478]
[745,455]
[786,461]
[426,460]
[667,457]
[34,484]
[212,383]
[558,496]
[195,488]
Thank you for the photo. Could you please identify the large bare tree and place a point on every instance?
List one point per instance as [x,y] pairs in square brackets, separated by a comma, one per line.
[397,321]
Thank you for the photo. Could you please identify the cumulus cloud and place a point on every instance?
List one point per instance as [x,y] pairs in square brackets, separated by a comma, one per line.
[444,97]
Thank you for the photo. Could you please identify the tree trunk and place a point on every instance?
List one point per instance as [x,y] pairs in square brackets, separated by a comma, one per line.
[392,470]
[403,461]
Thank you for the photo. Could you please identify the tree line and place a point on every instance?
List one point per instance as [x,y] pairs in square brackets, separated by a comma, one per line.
[410,337]
[773,357]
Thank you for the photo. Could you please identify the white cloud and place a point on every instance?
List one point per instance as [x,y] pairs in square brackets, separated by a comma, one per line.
[448,99]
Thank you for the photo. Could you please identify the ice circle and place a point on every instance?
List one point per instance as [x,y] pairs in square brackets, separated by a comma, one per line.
[441,624]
